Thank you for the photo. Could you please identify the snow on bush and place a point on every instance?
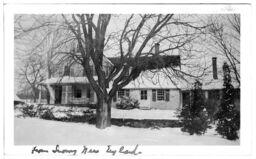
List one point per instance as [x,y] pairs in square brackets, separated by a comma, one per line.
[228,118]
[193,116]
[127,103]
[49,111]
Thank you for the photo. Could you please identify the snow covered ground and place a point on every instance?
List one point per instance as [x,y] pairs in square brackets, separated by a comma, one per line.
[34,131]
[61,111]
[143,114]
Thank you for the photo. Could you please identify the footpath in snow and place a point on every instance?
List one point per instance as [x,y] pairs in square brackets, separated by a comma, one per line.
[34,131]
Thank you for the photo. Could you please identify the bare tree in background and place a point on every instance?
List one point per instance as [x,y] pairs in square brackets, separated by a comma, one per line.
[139,37]
[225,35]
[38,35]
[33,73]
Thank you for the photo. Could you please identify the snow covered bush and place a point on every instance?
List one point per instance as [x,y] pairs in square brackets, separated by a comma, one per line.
[228,118]
[47,115]
[127,103]
[40,109]
[55,112]
[29,110]
[193,116]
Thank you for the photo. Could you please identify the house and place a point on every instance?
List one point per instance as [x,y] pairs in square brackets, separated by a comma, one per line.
[152,88]
[70,86]
[212,88]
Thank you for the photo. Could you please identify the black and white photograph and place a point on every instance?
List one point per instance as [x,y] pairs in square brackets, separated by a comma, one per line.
[109,78]
[172,78]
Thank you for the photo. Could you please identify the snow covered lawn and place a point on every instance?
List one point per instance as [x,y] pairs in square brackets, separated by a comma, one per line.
[62,111]
[143,114]
[34,131]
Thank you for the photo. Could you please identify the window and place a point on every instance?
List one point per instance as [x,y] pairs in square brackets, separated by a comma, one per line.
[143,95]
[120,93]
[77,92]
[167,95]
[88,94]
[123,92]
[160,94]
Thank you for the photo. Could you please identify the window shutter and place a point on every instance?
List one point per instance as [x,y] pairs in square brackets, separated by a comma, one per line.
[88,93]
[154,95]
[127,92]
[167,95]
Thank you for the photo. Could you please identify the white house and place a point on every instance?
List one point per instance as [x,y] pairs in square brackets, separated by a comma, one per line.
[153,88]
[71,86]
[154,91]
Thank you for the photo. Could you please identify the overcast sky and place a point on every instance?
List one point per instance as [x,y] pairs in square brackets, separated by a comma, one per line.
[25,44]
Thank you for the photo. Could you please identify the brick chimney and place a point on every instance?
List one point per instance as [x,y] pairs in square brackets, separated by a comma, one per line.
[214,68]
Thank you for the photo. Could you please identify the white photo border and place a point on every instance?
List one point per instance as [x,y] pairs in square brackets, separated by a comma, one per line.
[246,10]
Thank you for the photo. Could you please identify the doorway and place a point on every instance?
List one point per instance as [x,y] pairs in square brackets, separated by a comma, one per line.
[58,93]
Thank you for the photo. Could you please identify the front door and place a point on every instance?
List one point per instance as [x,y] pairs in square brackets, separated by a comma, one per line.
[58,92]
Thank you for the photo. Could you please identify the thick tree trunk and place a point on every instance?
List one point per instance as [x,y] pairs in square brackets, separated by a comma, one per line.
[34,94]
[103,113]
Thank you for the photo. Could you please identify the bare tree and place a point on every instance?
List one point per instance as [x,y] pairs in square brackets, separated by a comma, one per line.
[225,38]
[37,35]
[33,73]
[136,40]
[137,45]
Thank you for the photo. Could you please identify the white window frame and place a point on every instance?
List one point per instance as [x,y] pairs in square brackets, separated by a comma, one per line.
[120,93]
[160,95]
[144,95]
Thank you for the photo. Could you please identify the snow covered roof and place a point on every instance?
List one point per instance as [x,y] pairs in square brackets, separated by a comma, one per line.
[209,83]
[149,80]
[155,79]
[159,79]
[66,80]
